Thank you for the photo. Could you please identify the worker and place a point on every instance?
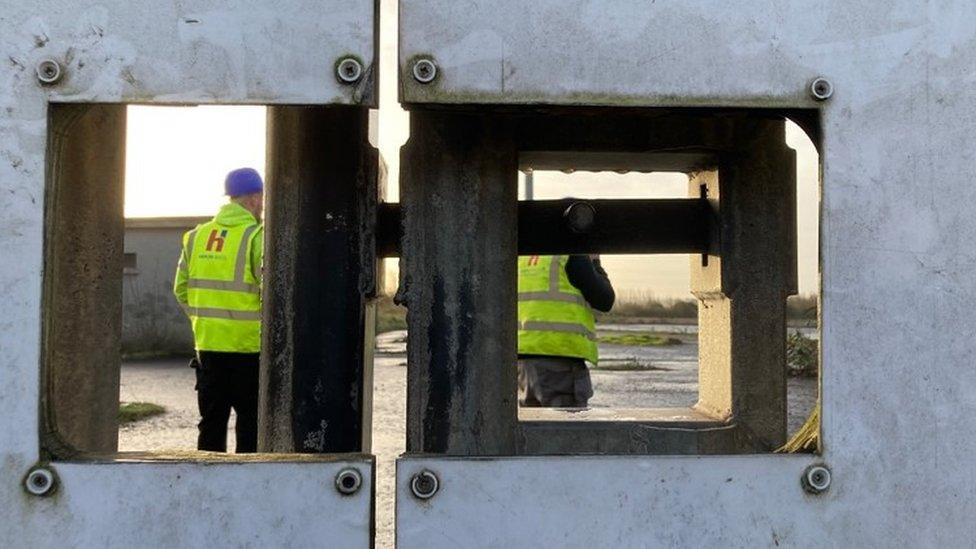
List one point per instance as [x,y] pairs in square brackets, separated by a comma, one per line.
[218,284]
[557,329]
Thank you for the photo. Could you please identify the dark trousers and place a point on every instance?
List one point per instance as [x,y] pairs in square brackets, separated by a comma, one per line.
[225,381]
[553,382]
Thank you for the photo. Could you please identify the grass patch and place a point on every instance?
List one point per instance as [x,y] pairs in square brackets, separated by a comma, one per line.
[389,316]
[630,308]
[644,305]
[802,358]
[131,412]
[647,308]
[639,339]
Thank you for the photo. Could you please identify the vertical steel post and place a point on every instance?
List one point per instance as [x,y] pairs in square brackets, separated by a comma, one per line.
[459,188]
[319,275]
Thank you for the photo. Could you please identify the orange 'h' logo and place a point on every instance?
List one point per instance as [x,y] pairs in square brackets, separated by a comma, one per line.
[217,241]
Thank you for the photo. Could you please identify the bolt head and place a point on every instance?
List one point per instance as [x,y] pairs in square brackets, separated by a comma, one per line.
[816,479]
[580,217]
[424,485]
[348,481]
[49,72]
[349,71]
[821,89]
[424,71]
[40,481]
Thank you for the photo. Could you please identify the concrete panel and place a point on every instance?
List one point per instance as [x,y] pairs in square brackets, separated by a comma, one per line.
[209,51]
[584,502]
[758,53]
[190,504]
[898,298]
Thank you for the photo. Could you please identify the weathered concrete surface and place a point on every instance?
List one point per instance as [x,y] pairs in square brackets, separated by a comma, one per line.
[83,252]
[459,191]
[763,53]
[649,432]
[742,286]
[166,52]
[171,504]
[319,275]
[602,501]
[212,51]
[898,298]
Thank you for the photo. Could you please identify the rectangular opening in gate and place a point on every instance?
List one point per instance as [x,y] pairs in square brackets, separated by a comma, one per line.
[126,184]
[154,253]
[711,341]
[641,351]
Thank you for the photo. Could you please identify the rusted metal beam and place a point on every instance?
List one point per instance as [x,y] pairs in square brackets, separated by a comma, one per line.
[679,226]
[659,226]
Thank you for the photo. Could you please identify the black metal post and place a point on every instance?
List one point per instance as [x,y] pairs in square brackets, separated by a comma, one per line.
[459,187]
[319,273]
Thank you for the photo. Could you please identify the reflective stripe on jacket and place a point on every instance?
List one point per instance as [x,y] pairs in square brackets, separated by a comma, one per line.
[218,281]
[554,317]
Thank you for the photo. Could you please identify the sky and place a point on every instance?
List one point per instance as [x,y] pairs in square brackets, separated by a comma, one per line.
[177,157]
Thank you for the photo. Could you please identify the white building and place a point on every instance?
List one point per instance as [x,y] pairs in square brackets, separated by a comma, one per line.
[152,321]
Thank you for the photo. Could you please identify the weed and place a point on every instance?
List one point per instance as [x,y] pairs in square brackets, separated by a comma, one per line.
[389,315]
[643,305]
[626,365]
[131,412]
[639,339]
[801,355]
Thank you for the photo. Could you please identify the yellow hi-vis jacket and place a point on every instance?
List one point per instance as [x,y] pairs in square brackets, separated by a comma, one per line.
[218,281]
[554,317]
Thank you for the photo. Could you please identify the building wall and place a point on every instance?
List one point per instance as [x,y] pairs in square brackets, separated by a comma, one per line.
[152,321]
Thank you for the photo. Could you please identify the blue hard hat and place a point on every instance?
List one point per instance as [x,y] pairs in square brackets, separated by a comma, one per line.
[243,181]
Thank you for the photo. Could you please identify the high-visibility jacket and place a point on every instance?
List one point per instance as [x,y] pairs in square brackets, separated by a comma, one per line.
[554,317]
[218,281]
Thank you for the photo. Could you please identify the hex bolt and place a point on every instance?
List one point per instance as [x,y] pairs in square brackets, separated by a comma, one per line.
[49,72]
[348,481]
[349,70]
[424,484]
[816,479]
[821,89]
[40,481]
[424,71]
[580,217]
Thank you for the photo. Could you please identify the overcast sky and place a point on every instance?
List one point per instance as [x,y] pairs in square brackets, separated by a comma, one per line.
[177,157]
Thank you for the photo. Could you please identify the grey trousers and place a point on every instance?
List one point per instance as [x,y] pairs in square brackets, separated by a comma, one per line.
[554,382]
